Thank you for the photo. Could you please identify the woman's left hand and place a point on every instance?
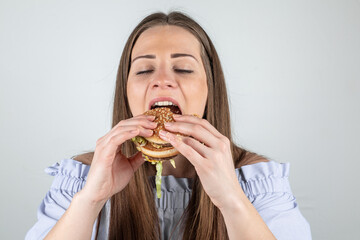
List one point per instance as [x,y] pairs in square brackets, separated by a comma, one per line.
[210,153]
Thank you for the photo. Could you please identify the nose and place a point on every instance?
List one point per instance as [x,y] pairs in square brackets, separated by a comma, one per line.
[164,79]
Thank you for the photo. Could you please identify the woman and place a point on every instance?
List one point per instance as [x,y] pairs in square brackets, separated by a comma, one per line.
[170,58]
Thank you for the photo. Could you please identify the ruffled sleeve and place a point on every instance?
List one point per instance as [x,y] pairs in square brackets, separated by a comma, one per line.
[267,186]
[69,178]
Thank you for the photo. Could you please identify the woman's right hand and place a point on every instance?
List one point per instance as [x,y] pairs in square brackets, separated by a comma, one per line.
[110,170]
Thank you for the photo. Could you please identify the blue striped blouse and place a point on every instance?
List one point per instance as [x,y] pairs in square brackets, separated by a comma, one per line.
[265,184]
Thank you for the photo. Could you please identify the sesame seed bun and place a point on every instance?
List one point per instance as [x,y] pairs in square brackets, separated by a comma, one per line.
[162,115]
[165,151]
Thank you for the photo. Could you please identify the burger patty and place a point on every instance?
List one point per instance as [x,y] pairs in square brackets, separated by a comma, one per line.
[163,146]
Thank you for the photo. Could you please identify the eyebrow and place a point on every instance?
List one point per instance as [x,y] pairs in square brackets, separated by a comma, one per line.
[176,55]
[144,56]
[173,55]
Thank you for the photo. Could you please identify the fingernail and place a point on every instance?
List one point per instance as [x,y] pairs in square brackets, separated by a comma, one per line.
[151,117]
[177,115]
[163,133]
[168,124]
[166,135]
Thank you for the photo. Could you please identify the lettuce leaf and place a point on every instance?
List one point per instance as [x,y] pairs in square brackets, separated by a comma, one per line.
[159,168]
[139,141]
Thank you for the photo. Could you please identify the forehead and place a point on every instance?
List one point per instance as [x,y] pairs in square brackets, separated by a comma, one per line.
[166,38]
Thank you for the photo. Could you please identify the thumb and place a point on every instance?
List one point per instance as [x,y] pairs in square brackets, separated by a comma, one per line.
[136,160]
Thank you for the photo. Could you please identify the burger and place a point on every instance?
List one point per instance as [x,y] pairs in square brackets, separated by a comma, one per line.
[155,149]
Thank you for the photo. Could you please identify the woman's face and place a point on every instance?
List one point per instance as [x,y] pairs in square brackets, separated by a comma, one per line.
[166,65]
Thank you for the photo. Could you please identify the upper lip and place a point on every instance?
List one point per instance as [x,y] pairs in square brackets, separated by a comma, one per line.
[159,99]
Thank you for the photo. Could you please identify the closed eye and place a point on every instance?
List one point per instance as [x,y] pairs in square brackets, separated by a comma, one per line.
[176,70]
[144,72]
[183,71]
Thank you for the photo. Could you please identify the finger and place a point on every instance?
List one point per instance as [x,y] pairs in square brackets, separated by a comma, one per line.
[201,148]
[143,115]
[187,151]
[142,132]
[140,120]
[200,121]
[109,146]
[195,130]
[136,160]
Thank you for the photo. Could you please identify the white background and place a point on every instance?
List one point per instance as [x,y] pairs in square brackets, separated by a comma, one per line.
[292,69]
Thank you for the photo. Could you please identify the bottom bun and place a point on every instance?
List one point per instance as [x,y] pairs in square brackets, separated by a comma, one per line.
[159,155]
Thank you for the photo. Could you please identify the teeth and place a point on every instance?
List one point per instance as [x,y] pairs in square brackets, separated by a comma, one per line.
[164,103]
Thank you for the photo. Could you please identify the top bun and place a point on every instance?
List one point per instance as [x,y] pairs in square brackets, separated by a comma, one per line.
[162,115]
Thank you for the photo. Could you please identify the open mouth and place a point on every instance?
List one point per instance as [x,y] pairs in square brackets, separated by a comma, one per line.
[173,108]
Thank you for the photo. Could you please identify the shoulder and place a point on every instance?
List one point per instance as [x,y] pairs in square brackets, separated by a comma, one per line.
[69,175]
[85,158]
[251,158]
[266,184]
[262,179]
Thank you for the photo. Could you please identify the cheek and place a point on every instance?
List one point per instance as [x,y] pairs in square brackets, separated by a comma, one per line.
[197,93]
[135,98]
[201,90]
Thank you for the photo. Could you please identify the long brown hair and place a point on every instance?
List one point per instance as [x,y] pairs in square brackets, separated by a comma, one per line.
[133,211]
